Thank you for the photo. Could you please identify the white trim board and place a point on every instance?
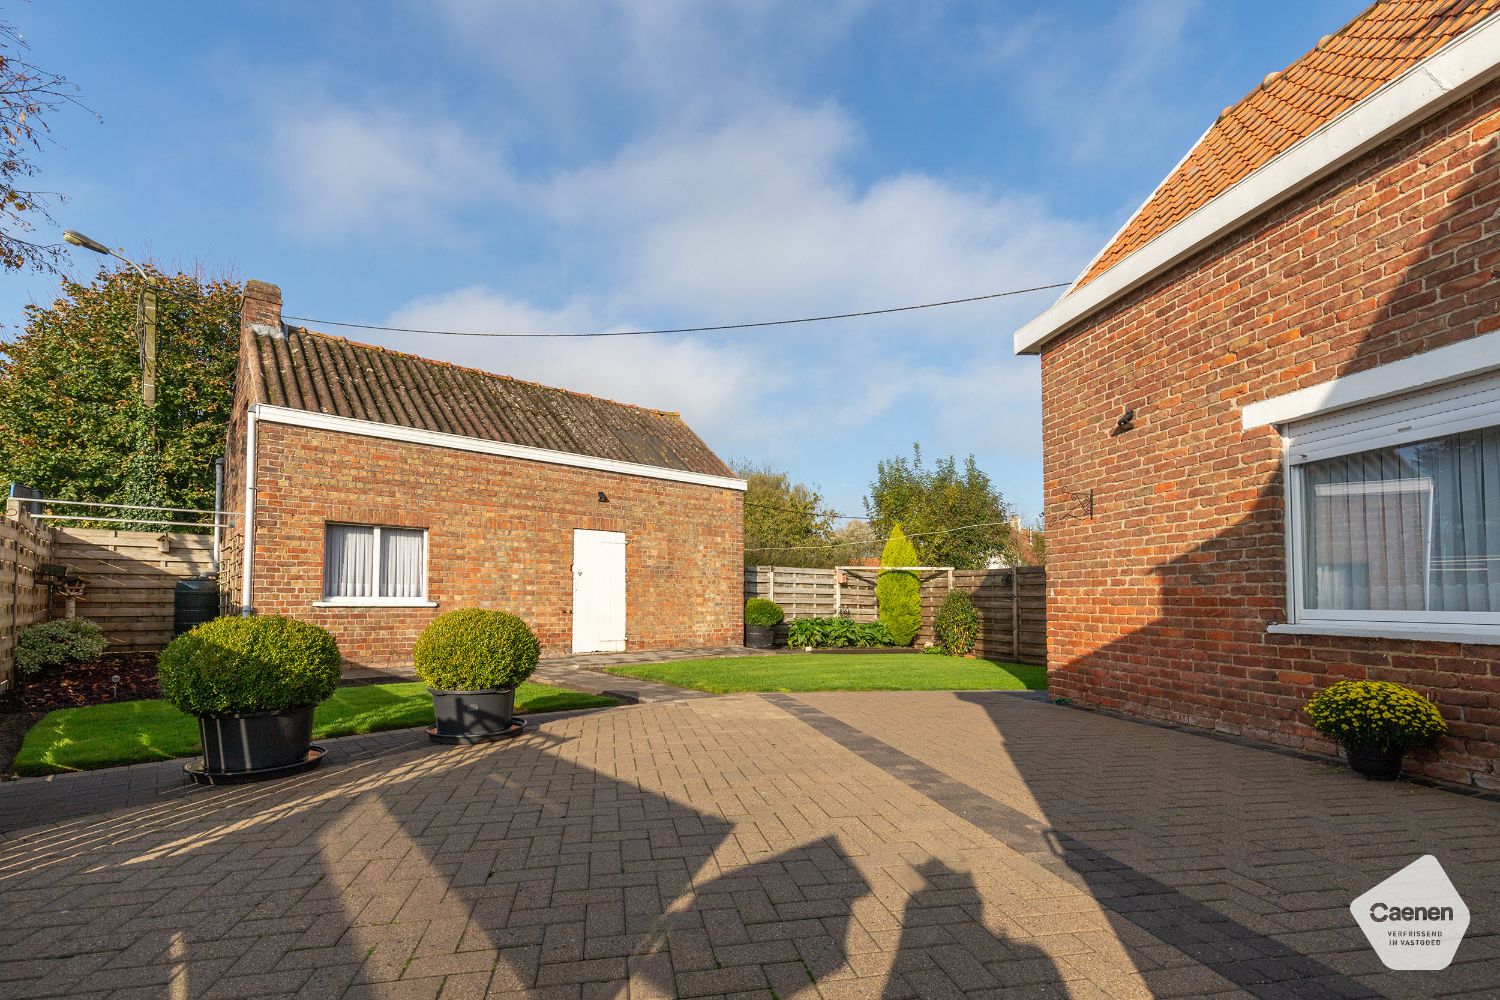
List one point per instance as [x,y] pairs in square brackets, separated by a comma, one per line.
[1454,71]
[1474,356]
[458,442]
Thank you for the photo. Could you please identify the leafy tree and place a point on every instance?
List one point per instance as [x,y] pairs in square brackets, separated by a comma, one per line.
[853,543]
[27,95]
[70,392]
[786,523]
[898,594]
[930,502]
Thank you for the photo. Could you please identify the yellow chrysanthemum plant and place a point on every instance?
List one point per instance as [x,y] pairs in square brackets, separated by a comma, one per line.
[1375,720]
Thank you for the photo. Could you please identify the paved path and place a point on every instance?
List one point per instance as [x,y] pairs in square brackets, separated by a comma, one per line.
[819,845]
[585,672]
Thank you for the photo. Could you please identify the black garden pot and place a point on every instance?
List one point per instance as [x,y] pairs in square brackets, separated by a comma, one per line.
[760,636]
[473,716]
[257,743]
[1376,763]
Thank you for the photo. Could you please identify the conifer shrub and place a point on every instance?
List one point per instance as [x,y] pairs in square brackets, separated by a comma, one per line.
[898,593]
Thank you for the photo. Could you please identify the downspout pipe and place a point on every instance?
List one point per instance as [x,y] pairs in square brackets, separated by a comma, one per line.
[218,510]
[247,534]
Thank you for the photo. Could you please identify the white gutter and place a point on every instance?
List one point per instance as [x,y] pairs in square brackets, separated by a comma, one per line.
[483,446]
[247,533]
[1454,71]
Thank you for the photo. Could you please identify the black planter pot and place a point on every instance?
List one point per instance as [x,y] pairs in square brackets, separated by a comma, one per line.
[255,746]
[1375,763]
[474,716]
[760,636]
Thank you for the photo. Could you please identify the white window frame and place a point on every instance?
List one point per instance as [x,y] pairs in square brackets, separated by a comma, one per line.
[1452,408]
[420,601]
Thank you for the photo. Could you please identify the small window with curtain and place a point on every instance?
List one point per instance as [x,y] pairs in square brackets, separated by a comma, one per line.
[372,564]
[1395,511]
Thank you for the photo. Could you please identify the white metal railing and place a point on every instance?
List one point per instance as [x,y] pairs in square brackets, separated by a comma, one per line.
[214,521]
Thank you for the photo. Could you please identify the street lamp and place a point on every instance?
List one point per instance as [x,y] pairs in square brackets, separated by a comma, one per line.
[148,312]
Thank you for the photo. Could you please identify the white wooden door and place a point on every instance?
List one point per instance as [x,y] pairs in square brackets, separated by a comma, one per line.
[598,591]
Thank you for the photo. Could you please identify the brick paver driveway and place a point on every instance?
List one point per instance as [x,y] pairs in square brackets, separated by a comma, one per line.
[881,845]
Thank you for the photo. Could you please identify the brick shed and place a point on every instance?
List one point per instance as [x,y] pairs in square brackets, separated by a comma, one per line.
[1305,319]
[379,489]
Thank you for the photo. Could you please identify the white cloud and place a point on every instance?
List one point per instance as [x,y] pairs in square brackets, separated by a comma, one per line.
[761,219]
[1096,86]
[763,214]
[707,383]
[347,172]
[680,59]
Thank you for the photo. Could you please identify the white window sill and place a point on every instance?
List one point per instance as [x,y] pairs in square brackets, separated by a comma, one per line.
[1474,635]
[374,602]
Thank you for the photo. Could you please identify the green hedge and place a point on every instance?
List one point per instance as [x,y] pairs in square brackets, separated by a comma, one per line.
[957,623]
[763,613]
[261,663]
[476,649]
[62,642]
[898,595]
[836,631]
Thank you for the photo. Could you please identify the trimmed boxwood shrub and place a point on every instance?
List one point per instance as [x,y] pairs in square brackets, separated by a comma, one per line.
[836,631]
[260,663]
[957,623]
[476,649]
[898,595]
[62,642]
[763,613]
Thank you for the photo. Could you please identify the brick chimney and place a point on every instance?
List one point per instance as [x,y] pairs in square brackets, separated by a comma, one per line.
[261,312]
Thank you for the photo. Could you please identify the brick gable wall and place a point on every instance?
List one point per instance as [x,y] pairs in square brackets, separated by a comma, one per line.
[1158,603]
[500,534]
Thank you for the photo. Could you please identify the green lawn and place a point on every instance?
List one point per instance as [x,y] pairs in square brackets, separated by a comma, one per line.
[130,732]
[842,672]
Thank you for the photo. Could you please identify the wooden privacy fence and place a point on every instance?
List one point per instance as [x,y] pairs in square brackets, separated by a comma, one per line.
[131,581]
[1012,603]
[24,545]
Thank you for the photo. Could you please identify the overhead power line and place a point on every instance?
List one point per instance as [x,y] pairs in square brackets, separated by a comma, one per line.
[683,329]
[804,510]
[873,541]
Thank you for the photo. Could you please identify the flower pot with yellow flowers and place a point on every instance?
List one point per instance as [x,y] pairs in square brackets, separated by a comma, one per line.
[1376,723]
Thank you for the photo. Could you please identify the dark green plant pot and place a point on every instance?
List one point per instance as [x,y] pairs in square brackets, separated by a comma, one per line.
[255,742]
[760,636]
[473,715]
[1375,763]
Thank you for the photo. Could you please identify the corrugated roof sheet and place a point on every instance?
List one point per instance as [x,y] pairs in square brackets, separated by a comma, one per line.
[1376,47]
[307,370]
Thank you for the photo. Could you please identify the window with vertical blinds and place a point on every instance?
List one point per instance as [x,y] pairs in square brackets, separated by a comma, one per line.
[374,564]
[1395,510]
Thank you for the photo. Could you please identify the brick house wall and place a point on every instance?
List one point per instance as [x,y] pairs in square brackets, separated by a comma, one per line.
[500,535]
[1158,603]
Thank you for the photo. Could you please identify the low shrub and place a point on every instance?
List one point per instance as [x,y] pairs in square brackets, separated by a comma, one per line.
[957,623]
[763,613]
[259,663]
[836,631]
[1376,714]
[898,595]
[476,649]
[62,642]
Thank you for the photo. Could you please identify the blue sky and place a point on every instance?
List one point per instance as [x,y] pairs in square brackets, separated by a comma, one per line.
[592,165]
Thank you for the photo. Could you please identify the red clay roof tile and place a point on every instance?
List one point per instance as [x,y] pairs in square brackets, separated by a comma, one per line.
[1373,49]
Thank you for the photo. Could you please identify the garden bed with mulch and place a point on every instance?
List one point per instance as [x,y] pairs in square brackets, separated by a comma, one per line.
[89,684]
